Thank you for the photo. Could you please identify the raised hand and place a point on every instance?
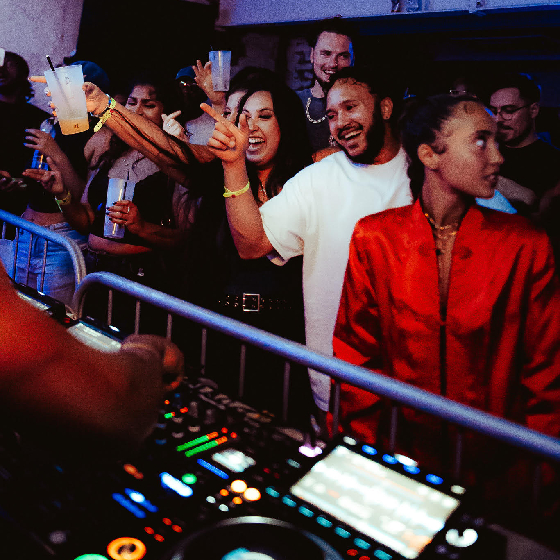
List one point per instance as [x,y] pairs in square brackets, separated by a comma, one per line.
[171,126]
[228,142]
[42,141]
[203,80]
[50,179]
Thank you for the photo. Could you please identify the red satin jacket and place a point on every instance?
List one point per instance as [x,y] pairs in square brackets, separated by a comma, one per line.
[502,334]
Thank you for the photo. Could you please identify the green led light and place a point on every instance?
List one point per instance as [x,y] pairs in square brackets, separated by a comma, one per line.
[91,557]
[192,443]
[168,415]
[189,478]
[201,448]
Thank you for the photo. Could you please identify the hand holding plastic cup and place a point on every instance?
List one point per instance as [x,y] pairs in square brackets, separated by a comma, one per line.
[221,63]
[65,84]
[119,189]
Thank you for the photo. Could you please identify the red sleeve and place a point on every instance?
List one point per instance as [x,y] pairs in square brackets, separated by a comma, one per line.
[357,332]
[541,374]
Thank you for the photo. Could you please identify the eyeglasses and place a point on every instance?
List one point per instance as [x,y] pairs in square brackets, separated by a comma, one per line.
[507,111]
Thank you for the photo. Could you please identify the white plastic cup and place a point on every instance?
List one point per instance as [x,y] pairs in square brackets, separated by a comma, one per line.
[65,85]
[221,64]
[119,189]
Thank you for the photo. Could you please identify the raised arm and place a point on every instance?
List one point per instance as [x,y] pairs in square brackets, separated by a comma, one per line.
[229,143]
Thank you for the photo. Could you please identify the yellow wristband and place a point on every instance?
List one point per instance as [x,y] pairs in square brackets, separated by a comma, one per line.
[105,115]
[233,194]
[65,200]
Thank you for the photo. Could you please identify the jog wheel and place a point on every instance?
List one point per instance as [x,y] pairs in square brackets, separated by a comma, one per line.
[253,538]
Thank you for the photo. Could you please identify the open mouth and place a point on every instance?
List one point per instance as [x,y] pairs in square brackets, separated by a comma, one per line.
[255,143]
[349,135]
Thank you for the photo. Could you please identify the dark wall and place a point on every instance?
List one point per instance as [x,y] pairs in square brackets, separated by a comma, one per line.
[125,36]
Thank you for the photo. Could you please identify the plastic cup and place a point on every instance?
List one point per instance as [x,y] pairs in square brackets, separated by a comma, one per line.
[221,63]
[65,84]
[119,189]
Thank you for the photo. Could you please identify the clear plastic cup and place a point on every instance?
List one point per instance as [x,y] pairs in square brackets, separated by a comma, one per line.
[65,85]
[119,189]
[221,63]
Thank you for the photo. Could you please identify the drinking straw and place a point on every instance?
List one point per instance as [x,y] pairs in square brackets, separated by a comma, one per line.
[50,62]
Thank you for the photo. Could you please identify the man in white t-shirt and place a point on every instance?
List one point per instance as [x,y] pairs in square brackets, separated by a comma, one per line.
[317,210]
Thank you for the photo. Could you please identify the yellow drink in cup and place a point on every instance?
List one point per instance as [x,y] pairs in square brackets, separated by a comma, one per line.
[65,85]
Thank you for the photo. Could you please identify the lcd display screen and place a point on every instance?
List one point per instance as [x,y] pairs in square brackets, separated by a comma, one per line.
[94,337]
[391,508]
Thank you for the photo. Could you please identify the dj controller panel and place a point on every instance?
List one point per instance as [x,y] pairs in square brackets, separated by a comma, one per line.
[219,480]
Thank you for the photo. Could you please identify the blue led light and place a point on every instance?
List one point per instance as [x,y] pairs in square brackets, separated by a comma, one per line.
[213,469]
[168,481]
[390,459]
[369,450]
[342,532]
[360,543]
[139,498]
[272,492]
[288,501]
[324,522]
[411,470]
[293,463]
[305,511]
[382,555]
[127,504]
[434,479]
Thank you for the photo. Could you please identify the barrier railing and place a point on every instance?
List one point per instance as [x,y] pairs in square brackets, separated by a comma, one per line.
[48,236]
[399,392]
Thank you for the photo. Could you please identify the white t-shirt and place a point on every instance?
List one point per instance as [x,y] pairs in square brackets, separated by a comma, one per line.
[200,129]
[315,215]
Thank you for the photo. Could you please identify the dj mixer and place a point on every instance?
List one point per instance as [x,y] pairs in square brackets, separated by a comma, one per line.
[219,480]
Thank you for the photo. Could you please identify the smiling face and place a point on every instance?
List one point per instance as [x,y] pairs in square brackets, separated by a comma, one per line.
[331,53]
[470,160]
[356,121]
[264,130]
[143,101]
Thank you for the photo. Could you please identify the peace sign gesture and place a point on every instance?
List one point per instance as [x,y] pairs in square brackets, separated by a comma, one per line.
[228,142]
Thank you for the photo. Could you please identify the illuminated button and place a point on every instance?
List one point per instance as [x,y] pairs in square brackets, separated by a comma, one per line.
[389,459]
[238,486]
[349,440]
[305,511]
[223,507]
[272,492]
[159,538]
[456,489]
[352,552]
[468,538]
[342,532]
[237,500]
[369,450]
[177,528]
[189,478]
[126,548]
[382,555]
[324,522]
[360,543]
[404,460]
[167,521]
[149,530]
[252,495]
[364,558]
[91,557]
[411,470]
[224,492]
[434,479]
[288,501]
[211,499]
[58,537]
[293,463]
[168,481]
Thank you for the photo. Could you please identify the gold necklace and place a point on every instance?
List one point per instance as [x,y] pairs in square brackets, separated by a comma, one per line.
[309,118]
[443,232]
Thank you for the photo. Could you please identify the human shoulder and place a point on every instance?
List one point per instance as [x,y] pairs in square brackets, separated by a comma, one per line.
[96,146]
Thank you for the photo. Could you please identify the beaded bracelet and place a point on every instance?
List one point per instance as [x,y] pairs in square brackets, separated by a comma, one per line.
[233,194]
[105,114]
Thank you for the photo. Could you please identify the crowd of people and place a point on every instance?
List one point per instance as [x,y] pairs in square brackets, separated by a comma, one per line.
[422,237]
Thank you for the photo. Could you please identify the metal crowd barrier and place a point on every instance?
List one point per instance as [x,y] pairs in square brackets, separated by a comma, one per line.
[70,245]
[399,392]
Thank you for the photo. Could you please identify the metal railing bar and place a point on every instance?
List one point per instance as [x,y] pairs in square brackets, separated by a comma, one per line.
[401,392]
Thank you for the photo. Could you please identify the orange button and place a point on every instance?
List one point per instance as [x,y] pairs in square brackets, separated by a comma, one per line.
[126,548]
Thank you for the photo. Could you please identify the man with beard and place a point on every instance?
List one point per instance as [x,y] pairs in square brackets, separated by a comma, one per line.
[332,50]
[531,166]
[16,115]
[316,211]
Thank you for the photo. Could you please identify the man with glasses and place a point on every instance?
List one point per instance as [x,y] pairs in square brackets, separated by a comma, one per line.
[531,166]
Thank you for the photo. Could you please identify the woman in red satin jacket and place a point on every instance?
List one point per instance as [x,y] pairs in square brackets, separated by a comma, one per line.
[451,297]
